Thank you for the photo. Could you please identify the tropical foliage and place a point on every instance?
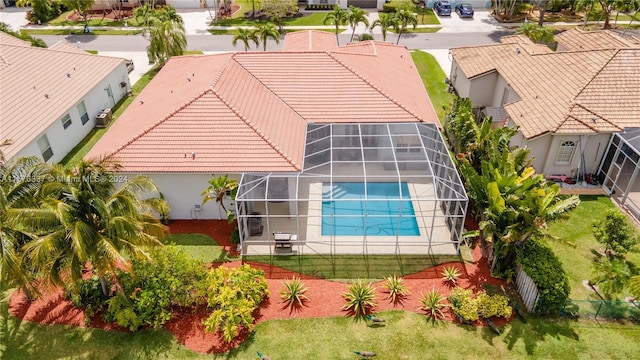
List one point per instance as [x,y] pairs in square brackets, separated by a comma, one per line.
[150,290]
[611,275]
[404,18]
[293,294]
[537,33]
[493,305]
[396,288]
[360,298]
[615,233]
[512,203]
[433,303]
[450,274]
[233,295]
[164,29]
[37,42]
[219,188]
[385,21]
[266,31]
[544,268]
[41,10]
[355,17]
[336,17]
[245,36]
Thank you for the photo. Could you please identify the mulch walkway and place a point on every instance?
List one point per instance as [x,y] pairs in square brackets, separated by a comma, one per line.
[325,297]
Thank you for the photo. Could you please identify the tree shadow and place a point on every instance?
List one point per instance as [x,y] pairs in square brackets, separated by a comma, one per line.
[535,331]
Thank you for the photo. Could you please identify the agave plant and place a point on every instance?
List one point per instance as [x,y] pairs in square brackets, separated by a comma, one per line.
[396,288]
[294,293]
[360,298]
[432,303]
[450,274]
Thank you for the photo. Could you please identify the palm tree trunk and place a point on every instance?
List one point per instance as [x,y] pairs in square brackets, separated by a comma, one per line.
[542,9]
[27,293]
[586,16]
[353,31]
[399,35]
[337,41]
[103,284]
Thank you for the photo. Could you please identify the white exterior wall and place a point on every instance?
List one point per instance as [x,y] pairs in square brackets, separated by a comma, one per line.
[498,91]
[185,4]
[184,191]
[539,152]
[459,80]
[62,140]
[592,146]
[481,90]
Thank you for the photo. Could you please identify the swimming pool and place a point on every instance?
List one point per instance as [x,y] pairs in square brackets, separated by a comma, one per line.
[387,212]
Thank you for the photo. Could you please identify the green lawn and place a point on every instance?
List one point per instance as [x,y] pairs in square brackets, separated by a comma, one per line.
[198,246]
[90,140]
[405,335]
[354,266]
[577,229]
[433,78]
[427,17]
[309,19]
[79,32]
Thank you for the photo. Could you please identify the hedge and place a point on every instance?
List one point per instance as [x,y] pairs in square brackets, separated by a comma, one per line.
[544,268]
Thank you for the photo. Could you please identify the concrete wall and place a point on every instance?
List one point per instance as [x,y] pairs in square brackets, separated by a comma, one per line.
[481,90]
[459,80]
[64,140]
[498,92]
[183,192]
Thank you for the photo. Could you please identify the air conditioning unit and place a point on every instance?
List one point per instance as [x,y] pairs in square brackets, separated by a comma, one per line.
[103,118]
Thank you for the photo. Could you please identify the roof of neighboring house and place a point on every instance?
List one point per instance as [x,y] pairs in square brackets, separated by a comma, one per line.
[310,40]
[577,92]
[40,85]
[577,39]
[248,111]
[526,44]
[12,40]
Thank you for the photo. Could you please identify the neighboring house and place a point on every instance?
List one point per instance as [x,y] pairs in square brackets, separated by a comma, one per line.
[301,129]
[567,104]
[49,98]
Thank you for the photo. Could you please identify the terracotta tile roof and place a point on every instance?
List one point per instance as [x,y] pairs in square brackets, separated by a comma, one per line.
[526,44]
[40,85]
[577,39]
[604,83]
[7,39]
[63,46]
[267,98]
[310,40]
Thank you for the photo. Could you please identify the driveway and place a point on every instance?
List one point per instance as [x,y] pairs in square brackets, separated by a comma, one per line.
[14,16]
[482,21]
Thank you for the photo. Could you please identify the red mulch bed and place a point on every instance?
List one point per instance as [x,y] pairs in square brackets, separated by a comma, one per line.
[99,14]
[218,230]
[325,297]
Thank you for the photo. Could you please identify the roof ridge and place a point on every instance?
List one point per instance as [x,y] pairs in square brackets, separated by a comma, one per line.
[376,88]
[252,126]
[156,124]
[596,74]
[221,70]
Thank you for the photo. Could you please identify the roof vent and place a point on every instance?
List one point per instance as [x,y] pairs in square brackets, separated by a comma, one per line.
[193,155]
[594,119]
[46,95]
[68,75]
[189,79]
[517,50]
[141,102]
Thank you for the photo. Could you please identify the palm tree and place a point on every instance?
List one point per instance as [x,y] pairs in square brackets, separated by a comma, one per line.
[338,16]
[385,21]
[88,220]
[265,31]
[245,35]
[20,183]
[219,187]
[537,34]
[165,31]
[355,17]
[404,19]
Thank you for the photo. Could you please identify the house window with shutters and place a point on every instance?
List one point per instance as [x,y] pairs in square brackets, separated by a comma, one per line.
[45,147]
[82,110]
[565,153]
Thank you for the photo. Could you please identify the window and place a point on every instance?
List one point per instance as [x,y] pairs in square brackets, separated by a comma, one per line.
[66,121]
[82,110]
[565,153]
[45,147]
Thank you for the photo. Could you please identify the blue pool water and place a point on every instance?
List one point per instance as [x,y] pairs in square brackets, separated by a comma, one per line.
[349,215]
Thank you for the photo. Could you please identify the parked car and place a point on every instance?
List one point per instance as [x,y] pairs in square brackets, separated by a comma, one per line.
[464,10]
[442,8]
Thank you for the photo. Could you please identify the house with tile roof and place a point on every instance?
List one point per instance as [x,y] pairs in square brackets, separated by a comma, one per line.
[566,104]
[302,130]
[49,97]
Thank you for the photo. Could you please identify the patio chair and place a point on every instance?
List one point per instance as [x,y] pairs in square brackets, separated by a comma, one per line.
[282,239]
[255,227]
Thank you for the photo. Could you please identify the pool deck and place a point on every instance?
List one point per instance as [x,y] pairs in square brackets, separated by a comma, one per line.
[307,227]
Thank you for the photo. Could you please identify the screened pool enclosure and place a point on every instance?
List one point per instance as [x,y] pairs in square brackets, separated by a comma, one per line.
[367,188]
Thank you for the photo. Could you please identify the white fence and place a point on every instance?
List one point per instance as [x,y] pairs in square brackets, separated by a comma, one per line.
[527,289]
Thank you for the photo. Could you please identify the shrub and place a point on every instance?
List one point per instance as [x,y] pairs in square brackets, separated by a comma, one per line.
[432,303]
[152,288]
[389,7]
[615,233]
[450,274]
[87,295]
[235,236]
[360,299]
[493,305]
[294,293]
[544,268]
[394,285]
[233,295]
[463,304]
[366,37]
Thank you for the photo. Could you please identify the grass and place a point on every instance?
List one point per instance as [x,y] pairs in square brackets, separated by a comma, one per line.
[405,335]
[429,17]
[92,138]
[309,19]
[577,229]
[433,78]
[422,30]
[354,266]
[198,246]
[233,32]
[79,32]
[193,52]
